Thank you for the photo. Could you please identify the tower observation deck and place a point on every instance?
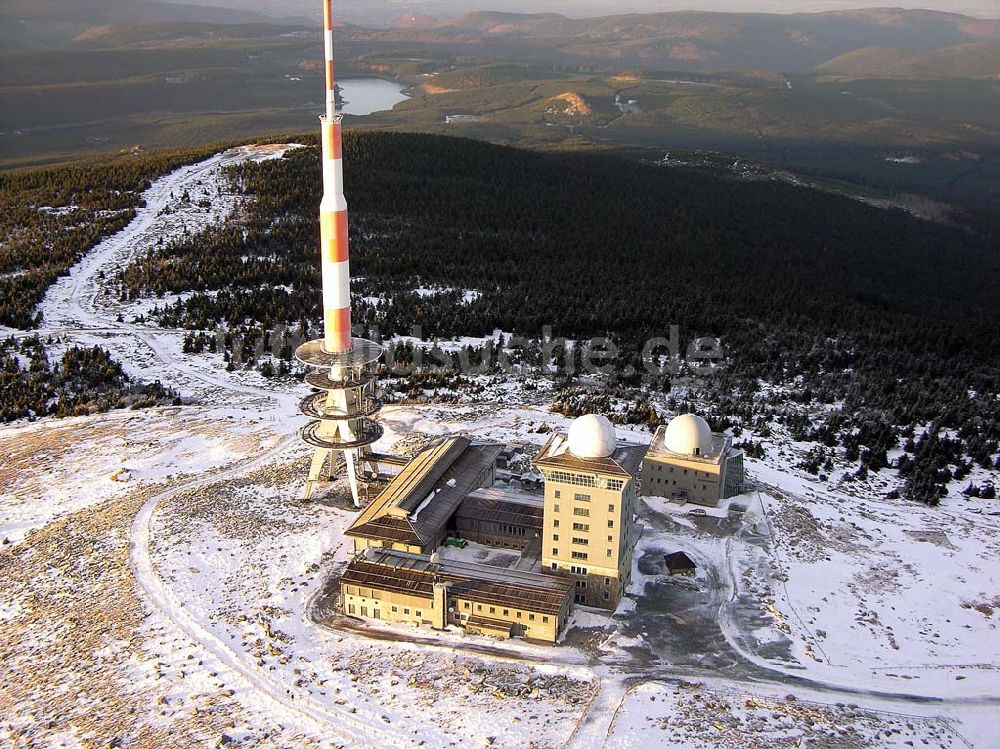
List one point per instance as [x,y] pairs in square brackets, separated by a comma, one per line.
[342,369]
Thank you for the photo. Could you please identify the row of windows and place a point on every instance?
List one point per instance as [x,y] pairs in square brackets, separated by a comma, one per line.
[507,530]
[506,612]
[406,611]
[585,527]
[582,571]
[660,468]
[582,598]
[576,479]
[582,512]
[583,584]
[376,613]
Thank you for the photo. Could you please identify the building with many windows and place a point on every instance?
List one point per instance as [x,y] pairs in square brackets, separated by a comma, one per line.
[574,542]
[591,488]
[686,462]
[397,586]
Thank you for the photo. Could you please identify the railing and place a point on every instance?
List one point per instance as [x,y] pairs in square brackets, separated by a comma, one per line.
[313,407]
[354,379]
[366,433]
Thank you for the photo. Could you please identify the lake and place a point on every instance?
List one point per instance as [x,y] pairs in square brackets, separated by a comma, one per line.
[369,95]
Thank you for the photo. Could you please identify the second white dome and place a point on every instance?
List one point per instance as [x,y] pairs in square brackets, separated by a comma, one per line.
[688,434]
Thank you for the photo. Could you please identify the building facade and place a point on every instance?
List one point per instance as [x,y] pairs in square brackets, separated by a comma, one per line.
[423,590]
[503,519]
[686,462]
[591,488]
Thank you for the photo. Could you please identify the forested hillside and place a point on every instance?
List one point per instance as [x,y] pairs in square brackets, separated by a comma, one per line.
[883,322]
[49,218]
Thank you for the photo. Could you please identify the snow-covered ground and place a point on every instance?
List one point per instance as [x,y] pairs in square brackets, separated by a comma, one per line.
[886,592]
[159,572]
[42,476]
[690,716]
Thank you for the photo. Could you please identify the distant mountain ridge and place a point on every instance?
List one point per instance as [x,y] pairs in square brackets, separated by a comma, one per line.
[699,40]
[974,60]
[39,24]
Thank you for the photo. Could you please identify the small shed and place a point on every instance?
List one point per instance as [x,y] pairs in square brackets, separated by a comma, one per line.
[680,563]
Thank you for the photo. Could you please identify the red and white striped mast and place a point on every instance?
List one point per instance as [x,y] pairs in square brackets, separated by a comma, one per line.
[342,372]
[333,212]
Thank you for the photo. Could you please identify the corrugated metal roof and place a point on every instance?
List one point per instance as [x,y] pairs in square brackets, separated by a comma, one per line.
[501,507]
[370,575]
[415,573]
[416,506]
[508,495]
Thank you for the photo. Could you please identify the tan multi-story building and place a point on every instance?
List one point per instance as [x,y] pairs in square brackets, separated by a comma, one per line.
[686,462]
[591,487]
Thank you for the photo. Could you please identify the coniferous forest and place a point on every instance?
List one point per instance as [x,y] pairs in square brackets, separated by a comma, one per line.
[885,320]
[82,381]
[50,217]
[863,330]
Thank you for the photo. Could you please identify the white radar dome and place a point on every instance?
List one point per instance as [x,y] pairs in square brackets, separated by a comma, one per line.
[592,436]
[688,435]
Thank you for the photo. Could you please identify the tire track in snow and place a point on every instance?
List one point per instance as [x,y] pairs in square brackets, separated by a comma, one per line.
[322,719]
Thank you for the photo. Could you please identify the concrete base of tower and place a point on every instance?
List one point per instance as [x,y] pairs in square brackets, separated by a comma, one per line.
[361,465]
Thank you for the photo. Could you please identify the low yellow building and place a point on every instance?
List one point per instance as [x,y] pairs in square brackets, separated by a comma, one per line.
[396,586]
[686,462]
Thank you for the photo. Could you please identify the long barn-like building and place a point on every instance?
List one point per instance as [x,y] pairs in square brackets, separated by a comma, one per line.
[398,586]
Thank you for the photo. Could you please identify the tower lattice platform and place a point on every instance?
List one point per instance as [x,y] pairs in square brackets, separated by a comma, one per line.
[343,409]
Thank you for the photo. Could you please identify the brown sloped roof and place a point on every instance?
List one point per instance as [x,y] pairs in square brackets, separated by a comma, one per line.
[416,574]
[428,490]
[624,461]
[509,595]
[370,575]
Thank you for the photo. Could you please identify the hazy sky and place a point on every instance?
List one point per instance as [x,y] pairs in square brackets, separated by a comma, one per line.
[385,11]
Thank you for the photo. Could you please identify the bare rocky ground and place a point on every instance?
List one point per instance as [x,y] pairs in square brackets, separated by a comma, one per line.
[693,717]
[69,652]
[78,666]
